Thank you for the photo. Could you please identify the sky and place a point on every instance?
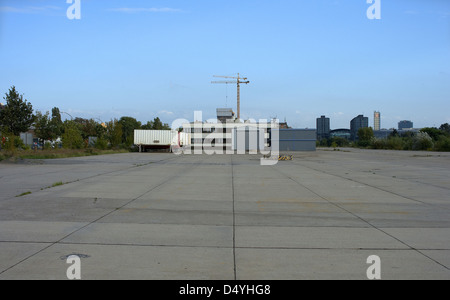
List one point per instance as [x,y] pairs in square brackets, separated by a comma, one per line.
[303,58]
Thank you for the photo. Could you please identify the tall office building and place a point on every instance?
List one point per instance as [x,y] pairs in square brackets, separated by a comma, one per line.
[357,123]
[405,125]
[323,127]
[376,120]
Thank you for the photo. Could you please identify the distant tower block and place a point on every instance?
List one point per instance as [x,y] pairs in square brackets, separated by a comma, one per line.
[323,127]
[376,120]
[405,124]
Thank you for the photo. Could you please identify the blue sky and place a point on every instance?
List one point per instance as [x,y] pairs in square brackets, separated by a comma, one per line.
[304,58]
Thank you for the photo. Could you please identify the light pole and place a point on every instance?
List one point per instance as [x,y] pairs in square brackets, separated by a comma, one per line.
[63,112]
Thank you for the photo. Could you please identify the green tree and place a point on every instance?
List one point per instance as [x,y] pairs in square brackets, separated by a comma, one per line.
[129,124]
[71,137]
[394,133]
[17,115]
[100,130]
[422,141]
[87,127]
[445,128]
[114,133]
[339,141]
[365,136]
[46,127]
[56,122]
[443,144]
[43,126]
[156,124]
[147,126]
[433,132]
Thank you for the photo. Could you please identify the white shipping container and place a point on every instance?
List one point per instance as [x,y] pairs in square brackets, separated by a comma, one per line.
[161,138]
[185,139]
[155,137]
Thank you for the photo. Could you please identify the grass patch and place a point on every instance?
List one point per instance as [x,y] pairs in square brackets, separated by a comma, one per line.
[23,194]
[60,153]
[57,183]
[4,156]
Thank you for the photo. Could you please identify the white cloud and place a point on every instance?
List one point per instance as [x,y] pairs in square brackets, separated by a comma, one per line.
[165,112]
[145,9]
[29,9]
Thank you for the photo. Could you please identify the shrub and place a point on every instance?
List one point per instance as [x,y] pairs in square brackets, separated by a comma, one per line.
[72,138]
[18,143]
[443,144]
[10,142]
[379,144]
[339,142]
[422,141]
[395,143]
[47,145]
[101,144]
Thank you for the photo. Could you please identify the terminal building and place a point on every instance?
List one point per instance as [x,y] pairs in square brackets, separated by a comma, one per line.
[341,133]
[231,135]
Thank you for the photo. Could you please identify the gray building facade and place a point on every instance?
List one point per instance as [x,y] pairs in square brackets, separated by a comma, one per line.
[357,123]
[405,125]
[323,128]
[297,139]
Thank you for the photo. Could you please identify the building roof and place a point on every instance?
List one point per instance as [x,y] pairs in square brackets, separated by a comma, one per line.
[340,130]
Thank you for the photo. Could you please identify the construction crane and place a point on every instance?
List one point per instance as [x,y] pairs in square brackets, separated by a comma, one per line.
[238,80]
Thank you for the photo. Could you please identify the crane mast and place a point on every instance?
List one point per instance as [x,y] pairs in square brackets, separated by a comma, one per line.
[238,80]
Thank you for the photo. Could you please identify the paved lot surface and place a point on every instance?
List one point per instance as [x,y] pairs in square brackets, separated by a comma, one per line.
[161,216]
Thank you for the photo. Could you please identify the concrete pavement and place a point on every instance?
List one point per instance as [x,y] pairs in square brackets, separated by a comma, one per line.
[161,216]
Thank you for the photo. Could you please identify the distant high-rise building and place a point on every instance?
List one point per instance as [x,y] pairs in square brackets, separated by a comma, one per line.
[405,125]
[323,127]
[376,120]
[357,123]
